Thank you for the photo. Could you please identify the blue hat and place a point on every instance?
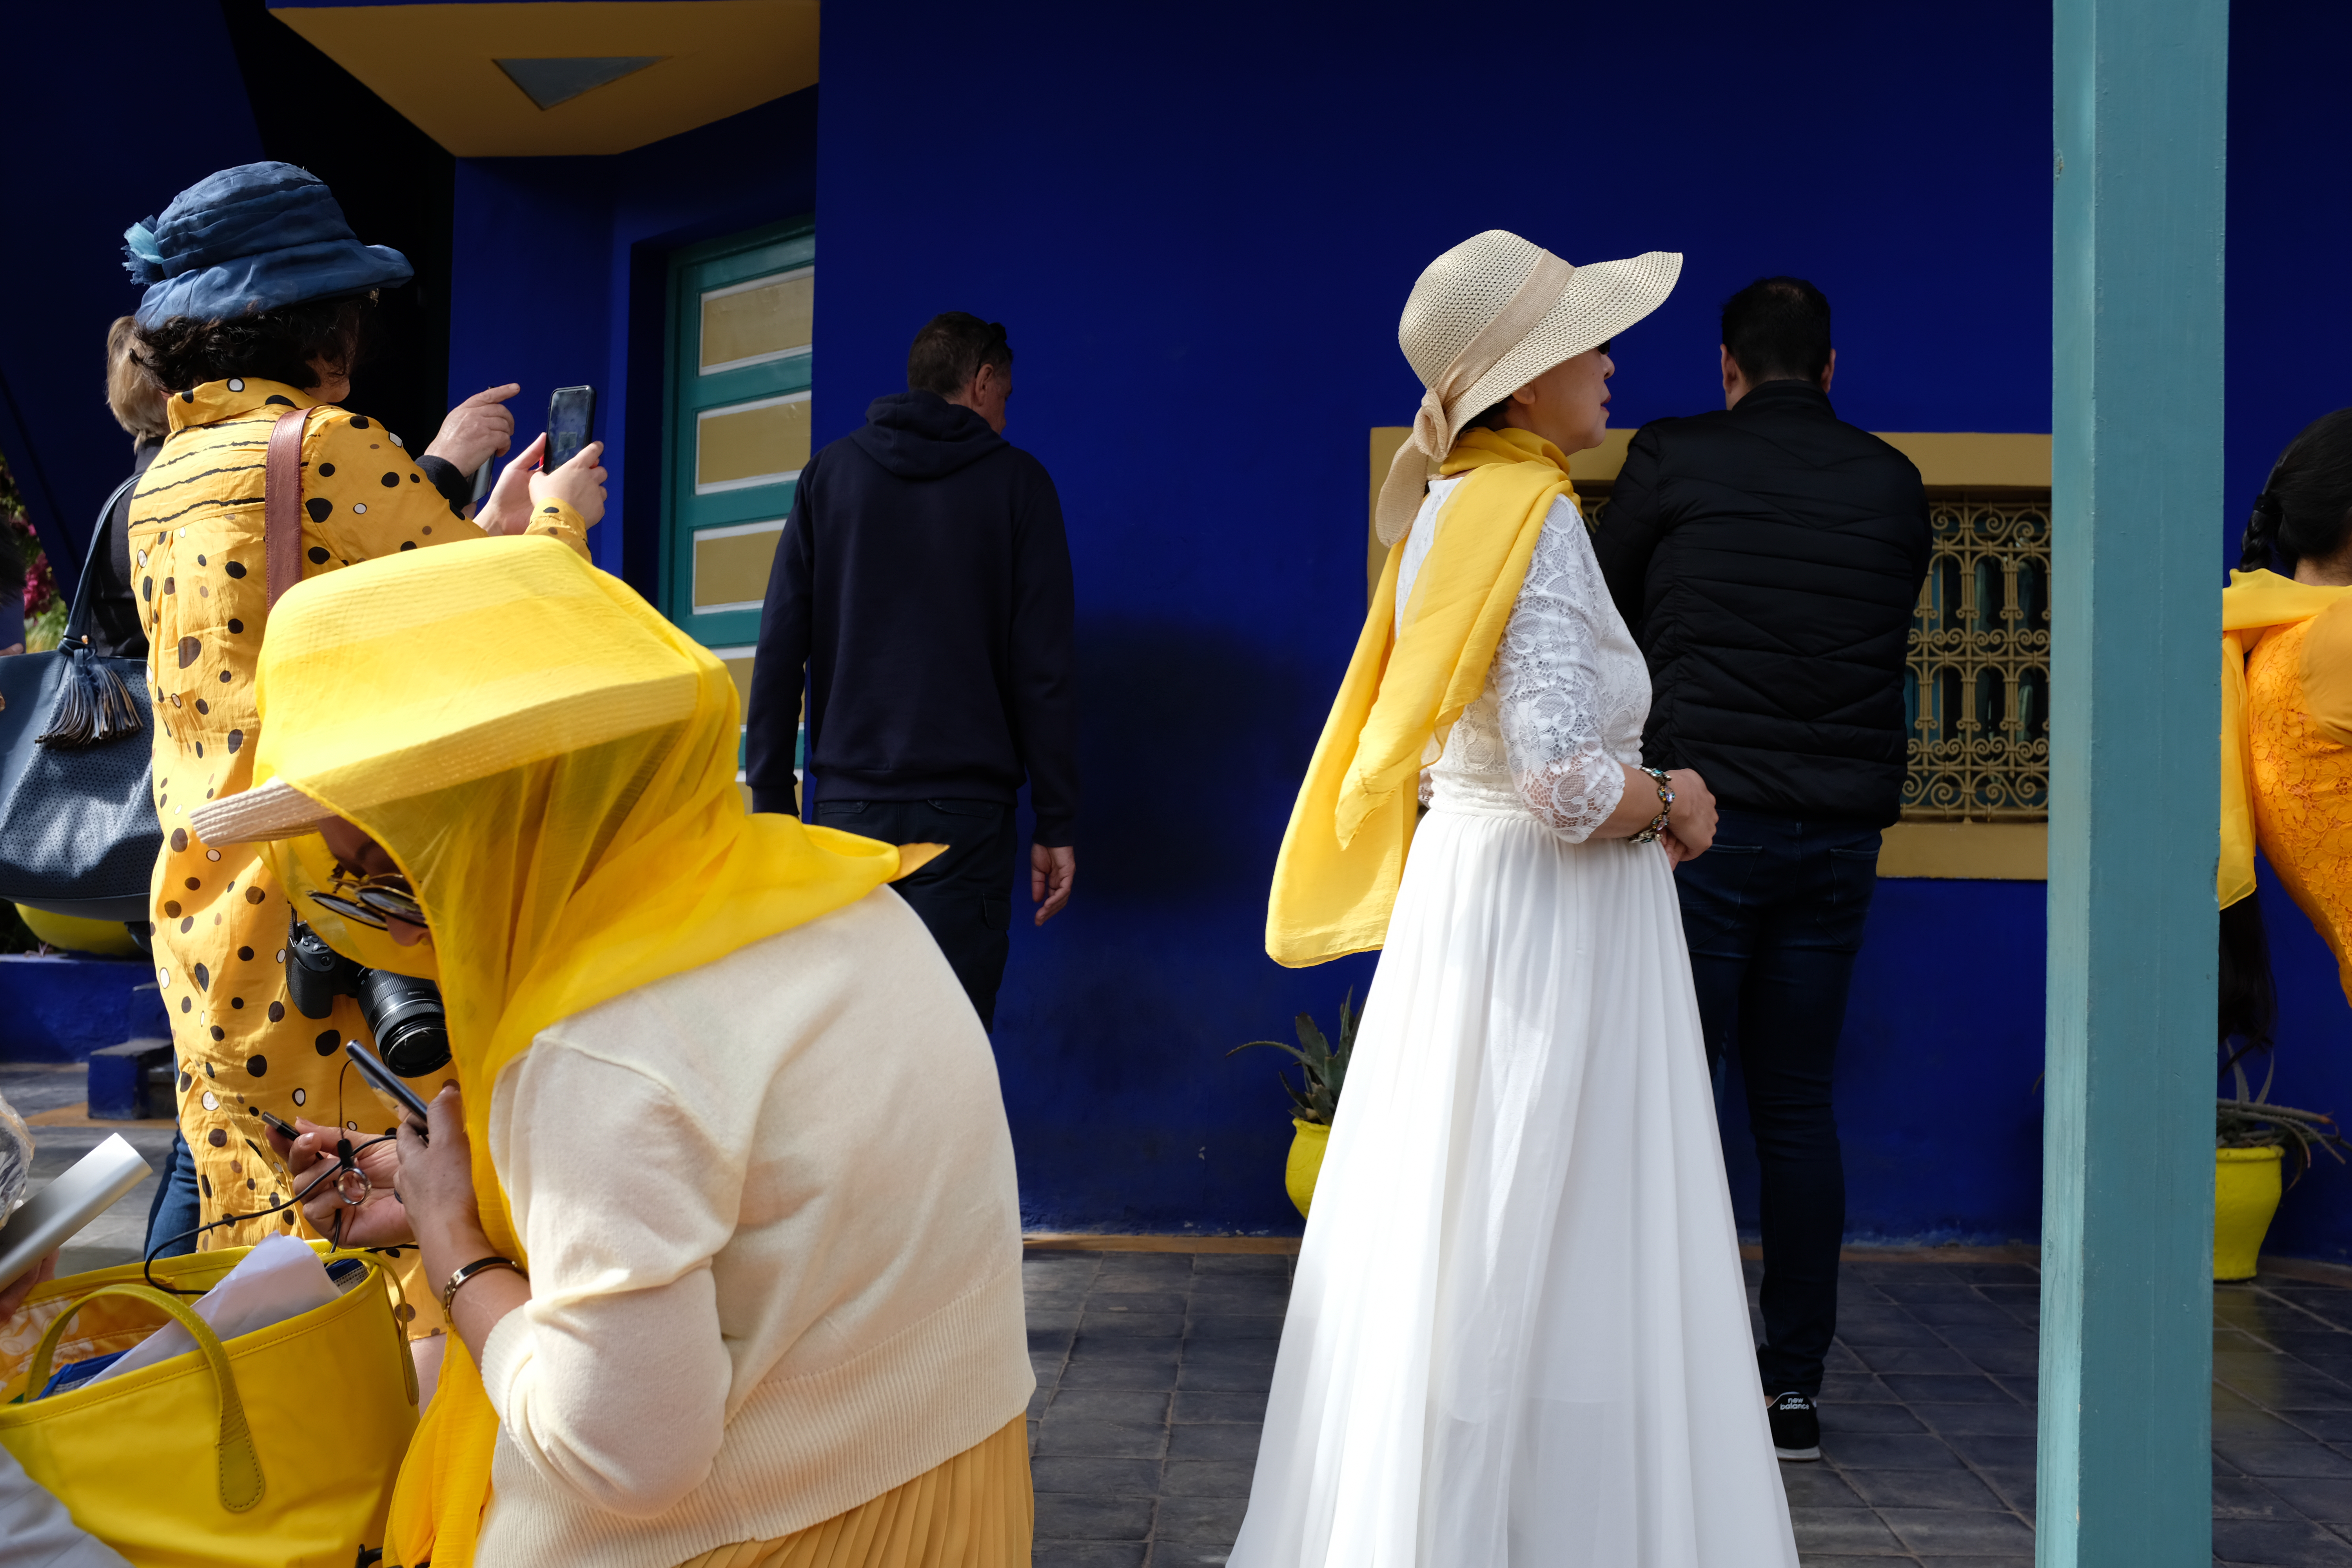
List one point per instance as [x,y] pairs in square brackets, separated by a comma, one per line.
[248,239]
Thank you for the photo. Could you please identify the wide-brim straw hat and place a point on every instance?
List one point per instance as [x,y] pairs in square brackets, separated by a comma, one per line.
[1488,317]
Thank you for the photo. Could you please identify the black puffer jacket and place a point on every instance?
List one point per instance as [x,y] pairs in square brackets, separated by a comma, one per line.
[1769,557]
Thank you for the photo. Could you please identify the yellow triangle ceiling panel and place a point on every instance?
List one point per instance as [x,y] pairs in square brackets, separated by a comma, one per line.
[546,77]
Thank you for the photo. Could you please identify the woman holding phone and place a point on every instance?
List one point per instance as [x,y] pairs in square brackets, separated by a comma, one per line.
[238,330]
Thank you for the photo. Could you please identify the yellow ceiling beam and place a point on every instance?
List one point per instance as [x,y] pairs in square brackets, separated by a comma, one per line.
[435,64]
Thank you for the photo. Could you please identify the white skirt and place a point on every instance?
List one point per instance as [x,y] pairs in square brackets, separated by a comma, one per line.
[1519,1336]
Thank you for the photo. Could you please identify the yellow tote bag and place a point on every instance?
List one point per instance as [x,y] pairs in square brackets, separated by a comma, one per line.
[275,1449]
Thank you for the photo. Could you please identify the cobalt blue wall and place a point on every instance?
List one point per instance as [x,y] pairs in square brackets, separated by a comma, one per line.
[561,268]
[1200,238]
[87,152]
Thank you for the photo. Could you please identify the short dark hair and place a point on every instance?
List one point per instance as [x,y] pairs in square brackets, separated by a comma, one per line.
[1778,328]
[950,351]
[2304,512]
[269,345]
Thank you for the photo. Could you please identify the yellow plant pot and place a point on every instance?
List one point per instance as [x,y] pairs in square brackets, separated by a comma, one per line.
[73,934]
[1305,1161]
[2245,1197]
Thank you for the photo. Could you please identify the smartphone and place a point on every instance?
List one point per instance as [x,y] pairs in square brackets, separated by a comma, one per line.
[384,1079]
[58,1211]
[571,425]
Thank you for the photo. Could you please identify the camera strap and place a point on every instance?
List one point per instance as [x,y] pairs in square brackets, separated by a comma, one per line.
[281,504]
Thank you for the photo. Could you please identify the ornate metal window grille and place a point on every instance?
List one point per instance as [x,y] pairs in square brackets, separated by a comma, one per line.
[1977,692]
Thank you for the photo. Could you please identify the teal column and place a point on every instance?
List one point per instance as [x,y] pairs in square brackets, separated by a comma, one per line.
[2136,498]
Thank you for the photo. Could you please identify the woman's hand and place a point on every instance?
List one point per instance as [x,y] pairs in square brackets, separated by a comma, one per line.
[507,508]
[580,483]
[477,430]
[1690,822]
[378,1219]
[436,1183]
[39,1274]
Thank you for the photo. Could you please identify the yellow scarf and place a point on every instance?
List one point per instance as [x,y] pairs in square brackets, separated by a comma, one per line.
[552,765]
[1343,853]
[2255,605]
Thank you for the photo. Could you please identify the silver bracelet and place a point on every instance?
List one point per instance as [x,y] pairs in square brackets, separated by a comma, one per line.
[1666,809]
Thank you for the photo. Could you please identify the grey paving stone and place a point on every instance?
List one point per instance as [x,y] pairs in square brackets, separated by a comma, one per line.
[1202,1327]
[1062,1321]
[1250,1263]
[1885,1328]
[2324,1500]
[1104,1300]
[1115,1362]
[1211,1520]
[1943,1534]
[1145,1271]
[2280,1543]
[2327,1425]
[2007,1418]
[1845,1418]
[2015,1450]
[2241,1497]
[1936,1359]
[1975,1311]
[1886,1451]
[1089,1516]
[1924,1388]
[1094,1477]
[1110,1404]
[1923,1488]
[1851,1389]
[1207,1478]
[1101,1439]
[2025,1388]
[2302,1459]
[2023,1363]
[1214,1442]
[1818,1486]
[1841,1531]
[1114,1323]
[1194,1405]
[2014,1485]
[1088,1554]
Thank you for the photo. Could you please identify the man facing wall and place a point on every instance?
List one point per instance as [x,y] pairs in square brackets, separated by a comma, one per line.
[1769,559]
[923,583]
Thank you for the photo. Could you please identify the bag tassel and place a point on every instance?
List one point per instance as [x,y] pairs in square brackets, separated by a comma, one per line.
[93,704]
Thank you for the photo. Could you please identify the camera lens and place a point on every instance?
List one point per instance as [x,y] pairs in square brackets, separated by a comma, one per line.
[411,1028]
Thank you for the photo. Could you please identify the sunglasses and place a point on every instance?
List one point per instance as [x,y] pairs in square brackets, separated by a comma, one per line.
[373,901]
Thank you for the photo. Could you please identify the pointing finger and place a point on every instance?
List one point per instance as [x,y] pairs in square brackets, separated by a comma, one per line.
[493,394]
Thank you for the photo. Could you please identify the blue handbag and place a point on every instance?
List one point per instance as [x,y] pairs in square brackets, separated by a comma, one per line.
[78,833]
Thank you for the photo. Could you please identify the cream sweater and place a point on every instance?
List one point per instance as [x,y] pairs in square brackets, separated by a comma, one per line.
[775,1249]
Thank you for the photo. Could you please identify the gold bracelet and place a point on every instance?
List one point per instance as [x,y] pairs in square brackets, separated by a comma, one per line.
[479,1266]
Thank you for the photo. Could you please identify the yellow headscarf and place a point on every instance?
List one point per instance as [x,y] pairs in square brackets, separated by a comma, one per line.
[2255,605]
[552,765]
[1343,855]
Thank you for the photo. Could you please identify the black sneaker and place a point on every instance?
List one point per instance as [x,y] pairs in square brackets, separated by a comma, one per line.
[1796,1427]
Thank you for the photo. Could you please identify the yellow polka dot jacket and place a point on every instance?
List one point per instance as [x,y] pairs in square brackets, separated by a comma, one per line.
[198,571]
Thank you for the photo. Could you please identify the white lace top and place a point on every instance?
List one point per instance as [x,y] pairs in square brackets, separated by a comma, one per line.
[1566,699]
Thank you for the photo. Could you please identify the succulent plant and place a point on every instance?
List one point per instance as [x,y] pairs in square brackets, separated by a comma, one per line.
[2251,1121]
[1324,1068]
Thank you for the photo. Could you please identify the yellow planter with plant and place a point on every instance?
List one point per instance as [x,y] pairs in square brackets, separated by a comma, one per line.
[2252,1138]
[71,933]
[1325,1070]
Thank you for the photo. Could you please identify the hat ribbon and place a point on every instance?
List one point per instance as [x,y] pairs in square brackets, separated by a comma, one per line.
[1433,422]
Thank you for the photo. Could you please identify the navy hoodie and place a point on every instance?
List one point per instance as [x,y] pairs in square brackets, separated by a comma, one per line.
[923,583]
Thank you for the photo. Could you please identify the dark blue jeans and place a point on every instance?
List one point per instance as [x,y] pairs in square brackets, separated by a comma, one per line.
[965,895]
[1774,914]
[177,1207]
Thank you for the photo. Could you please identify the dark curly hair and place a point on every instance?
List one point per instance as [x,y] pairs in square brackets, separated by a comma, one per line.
[267,346]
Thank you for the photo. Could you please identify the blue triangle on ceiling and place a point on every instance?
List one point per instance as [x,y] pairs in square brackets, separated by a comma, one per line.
[549,82]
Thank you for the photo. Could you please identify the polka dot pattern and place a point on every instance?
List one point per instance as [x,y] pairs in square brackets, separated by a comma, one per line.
[201,570]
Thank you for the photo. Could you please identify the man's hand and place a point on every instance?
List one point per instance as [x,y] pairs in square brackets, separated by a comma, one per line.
[1051,872]
[378,1219]
[580,483]
[507,508]
[477,430]
[39,1274]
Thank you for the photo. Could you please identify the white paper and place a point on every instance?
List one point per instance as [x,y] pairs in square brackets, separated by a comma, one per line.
[279,1278]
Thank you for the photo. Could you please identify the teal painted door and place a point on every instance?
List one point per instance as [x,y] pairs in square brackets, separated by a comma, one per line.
[741,385]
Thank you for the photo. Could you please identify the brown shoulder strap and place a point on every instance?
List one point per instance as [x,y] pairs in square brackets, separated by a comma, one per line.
[281,504]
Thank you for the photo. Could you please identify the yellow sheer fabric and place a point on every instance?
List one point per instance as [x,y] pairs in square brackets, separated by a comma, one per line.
[2300,771]
[1343,855]
[2255,605]
[552,765]
[974,1511]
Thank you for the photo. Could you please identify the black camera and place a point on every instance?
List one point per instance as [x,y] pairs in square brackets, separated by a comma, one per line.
[406,1015]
